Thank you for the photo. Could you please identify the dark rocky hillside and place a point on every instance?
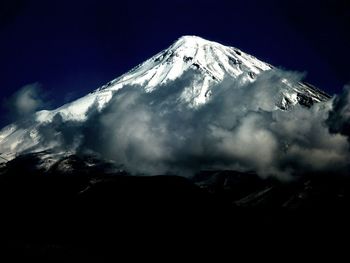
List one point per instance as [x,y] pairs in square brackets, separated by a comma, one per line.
[87,213]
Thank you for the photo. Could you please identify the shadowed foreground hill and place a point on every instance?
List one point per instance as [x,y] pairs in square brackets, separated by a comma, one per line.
[87,213]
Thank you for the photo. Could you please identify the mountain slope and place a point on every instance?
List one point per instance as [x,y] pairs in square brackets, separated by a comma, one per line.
[212,63]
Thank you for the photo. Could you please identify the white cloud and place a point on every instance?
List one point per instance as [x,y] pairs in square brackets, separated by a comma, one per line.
[239,128]
[25,101]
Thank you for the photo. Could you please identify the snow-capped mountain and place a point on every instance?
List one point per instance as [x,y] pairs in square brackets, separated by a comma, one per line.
[211,61]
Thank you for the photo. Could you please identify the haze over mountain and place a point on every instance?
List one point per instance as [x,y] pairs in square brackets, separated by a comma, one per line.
[196,105]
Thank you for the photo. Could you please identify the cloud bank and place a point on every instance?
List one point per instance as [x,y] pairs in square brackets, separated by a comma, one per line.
[239,128]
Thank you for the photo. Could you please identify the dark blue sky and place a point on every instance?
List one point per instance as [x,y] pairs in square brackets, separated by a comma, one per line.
[73,47]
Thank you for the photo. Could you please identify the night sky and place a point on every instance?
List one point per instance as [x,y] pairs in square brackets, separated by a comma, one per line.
[73,47]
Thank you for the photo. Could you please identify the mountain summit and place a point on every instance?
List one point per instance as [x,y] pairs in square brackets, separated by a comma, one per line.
[212,59]
[202,64]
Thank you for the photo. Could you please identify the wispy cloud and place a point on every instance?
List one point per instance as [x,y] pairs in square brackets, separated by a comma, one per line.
[25,101]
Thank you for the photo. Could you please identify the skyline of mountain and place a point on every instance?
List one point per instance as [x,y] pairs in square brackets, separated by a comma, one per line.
[98,40]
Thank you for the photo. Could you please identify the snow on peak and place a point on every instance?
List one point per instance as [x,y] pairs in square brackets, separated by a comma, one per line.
[212,60]
[190,40]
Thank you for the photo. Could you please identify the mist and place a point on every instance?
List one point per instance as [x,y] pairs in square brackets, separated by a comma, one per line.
[239,128]
[27,100]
